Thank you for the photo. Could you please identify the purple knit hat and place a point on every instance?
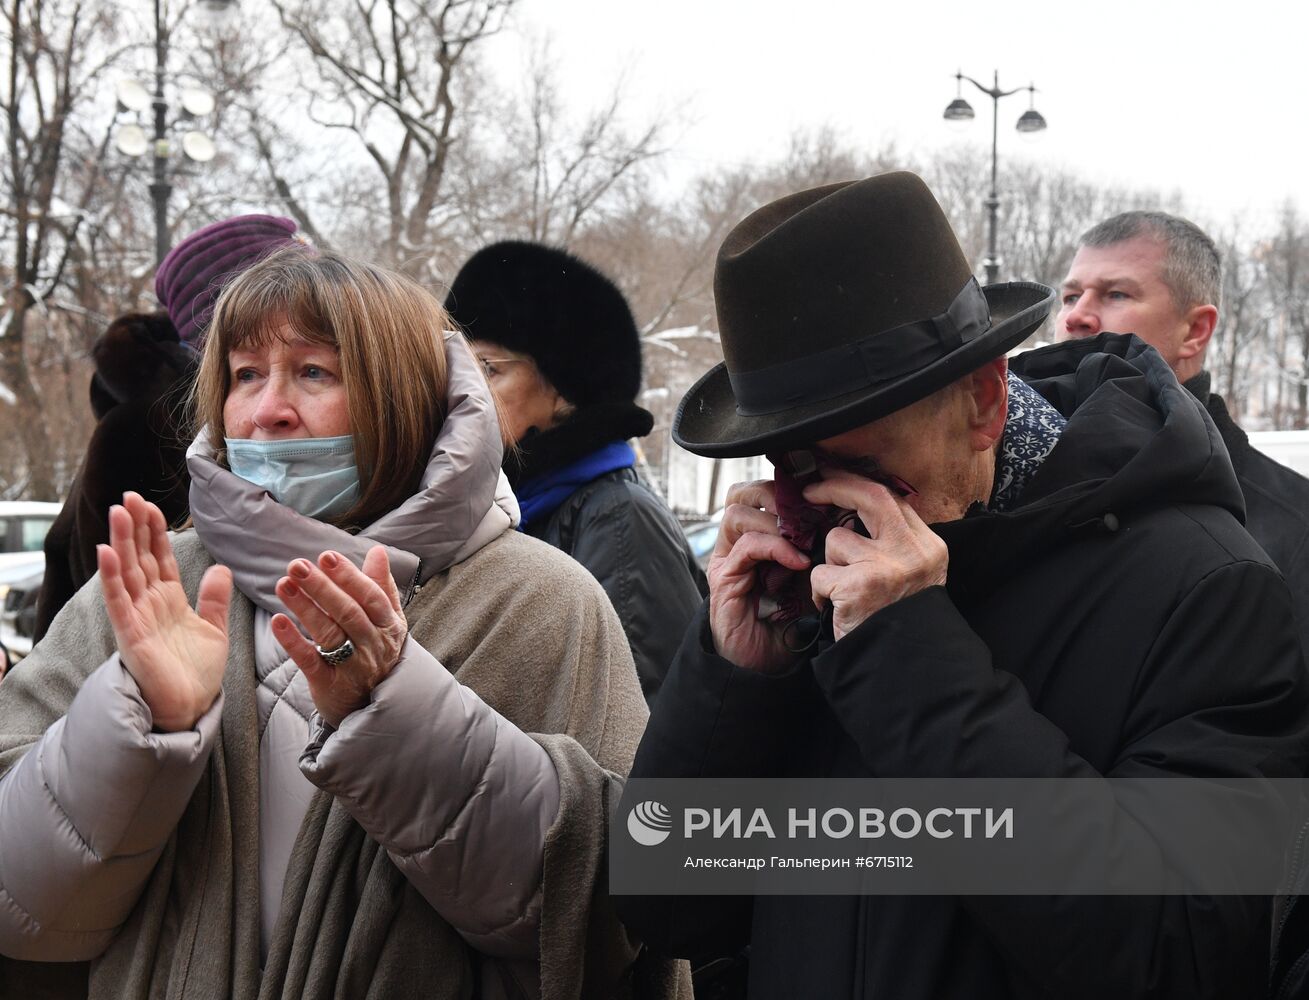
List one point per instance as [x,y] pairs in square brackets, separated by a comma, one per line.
[190,278]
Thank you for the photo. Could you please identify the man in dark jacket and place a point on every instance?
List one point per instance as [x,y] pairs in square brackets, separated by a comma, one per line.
[1033,597]
[1159,276]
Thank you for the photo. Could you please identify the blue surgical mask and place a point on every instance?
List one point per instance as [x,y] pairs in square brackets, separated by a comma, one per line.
[315,476]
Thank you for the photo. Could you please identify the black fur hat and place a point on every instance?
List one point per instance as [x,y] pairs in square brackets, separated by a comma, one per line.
[571,319]
[138,356]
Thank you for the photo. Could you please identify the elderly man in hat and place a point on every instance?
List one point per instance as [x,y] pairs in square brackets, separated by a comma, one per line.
[1033,572]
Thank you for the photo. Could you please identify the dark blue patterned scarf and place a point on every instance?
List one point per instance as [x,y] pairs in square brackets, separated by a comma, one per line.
[1031,431]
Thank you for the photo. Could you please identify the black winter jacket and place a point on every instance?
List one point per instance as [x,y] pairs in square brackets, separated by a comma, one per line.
[1117,622]
[1276,502]
[1277,515]
[620,530]
[627,537]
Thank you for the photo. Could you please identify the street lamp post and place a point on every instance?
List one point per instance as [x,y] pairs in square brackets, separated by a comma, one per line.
[1030,121]
[162,188]
[195,103]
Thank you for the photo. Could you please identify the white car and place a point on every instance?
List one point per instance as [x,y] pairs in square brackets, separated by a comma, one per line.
[702,535]
[23,527]
[1291,448]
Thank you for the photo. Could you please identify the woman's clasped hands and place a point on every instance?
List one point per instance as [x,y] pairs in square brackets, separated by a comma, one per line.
[177,655]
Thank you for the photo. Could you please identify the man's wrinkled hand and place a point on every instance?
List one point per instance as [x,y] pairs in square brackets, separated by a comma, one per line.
[748,538]
[901,556]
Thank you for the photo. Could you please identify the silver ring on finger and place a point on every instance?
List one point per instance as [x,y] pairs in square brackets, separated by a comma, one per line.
[335,657]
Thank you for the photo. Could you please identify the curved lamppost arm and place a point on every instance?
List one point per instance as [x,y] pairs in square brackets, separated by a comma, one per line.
[993,92]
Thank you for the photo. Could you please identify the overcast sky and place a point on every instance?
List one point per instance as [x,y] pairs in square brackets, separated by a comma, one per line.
[1204,97]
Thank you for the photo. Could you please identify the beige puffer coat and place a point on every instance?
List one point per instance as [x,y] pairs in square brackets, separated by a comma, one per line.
[460,798]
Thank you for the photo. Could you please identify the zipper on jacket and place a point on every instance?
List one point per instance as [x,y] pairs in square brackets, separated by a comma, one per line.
[414,586]
[1297,858]
[1283,993]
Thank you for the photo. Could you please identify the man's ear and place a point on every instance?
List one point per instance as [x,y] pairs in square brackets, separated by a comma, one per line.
[988,391]
[1201,322]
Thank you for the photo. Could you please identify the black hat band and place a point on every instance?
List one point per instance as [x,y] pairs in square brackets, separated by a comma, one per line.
[863,364]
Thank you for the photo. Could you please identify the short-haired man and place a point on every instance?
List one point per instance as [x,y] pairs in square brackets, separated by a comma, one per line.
[1159,276]
[1034,598]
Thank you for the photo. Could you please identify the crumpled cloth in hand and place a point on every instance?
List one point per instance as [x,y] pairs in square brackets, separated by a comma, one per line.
[786,594]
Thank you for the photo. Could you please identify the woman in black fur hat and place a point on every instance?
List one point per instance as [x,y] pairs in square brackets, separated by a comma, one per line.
[559,346]
[142,372]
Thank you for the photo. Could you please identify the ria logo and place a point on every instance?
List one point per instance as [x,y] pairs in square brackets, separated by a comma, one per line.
[649,823]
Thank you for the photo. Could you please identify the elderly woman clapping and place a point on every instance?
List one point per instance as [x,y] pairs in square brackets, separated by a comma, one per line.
[375,759]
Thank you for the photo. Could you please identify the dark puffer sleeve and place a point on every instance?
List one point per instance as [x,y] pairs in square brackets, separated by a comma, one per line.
[1219,695]
[633,545]
[711,720]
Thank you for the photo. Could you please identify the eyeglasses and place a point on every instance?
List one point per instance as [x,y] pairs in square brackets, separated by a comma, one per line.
[487,363]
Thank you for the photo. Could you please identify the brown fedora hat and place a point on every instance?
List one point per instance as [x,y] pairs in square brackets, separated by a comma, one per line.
[839,305]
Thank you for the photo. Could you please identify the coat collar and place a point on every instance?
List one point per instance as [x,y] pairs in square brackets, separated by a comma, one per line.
[585,431]
[1135,442]
[1233,435]
[464,502]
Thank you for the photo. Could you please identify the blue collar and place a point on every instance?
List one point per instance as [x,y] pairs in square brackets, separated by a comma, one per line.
[539,497]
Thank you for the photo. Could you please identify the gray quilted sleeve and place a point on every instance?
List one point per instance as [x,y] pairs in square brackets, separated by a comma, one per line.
[459,797]
[84,815]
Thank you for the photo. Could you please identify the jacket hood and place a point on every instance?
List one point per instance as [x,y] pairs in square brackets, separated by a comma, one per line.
[1136,441]
[464,502]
